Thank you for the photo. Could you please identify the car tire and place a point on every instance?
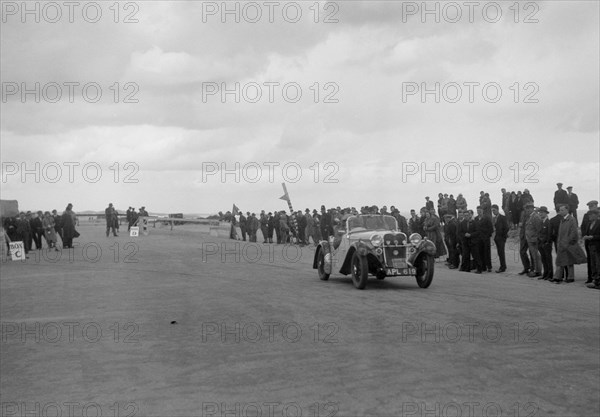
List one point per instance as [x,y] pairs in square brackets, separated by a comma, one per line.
[323,276]
[425,265]
[360,271]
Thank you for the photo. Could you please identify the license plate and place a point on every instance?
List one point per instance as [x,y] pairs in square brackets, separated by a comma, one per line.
[400,271]
[399,263]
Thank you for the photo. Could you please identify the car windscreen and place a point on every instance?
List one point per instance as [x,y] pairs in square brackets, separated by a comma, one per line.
[372,223]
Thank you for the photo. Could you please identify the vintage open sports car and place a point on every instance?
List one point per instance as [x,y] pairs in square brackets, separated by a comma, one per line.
[373,244]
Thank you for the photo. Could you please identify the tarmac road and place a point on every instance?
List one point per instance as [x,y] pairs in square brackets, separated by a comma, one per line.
[261,335]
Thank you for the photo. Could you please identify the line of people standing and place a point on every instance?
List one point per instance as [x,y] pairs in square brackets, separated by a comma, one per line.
[33,228]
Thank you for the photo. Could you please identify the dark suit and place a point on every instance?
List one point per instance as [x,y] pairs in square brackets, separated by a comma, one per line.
[37,231]
[584,225]
[243,225]
[501,227]
[561,197]
[593,249]
[573,205]
[451,240]
[486,229]
[545,246]
[471,245]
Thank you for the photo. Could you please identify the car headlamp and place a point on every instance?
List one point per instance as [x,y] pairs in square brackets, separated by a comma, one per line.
[376,240]
[415,238]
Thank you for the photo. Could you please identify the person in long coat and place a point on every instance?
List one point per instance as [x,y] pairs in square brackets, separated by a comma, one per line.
[69,218]
[431,226]
[49,232]
[568,251]
[515,209]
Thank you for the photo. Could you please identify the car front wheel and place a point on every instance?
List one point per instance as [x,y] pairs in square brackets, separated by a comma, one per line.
[323,276]
[360,271]
[425,264]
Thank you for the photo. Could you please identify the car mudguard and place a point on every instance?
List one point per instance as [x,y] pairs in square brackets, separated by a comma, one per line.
[326,248]
[426,246]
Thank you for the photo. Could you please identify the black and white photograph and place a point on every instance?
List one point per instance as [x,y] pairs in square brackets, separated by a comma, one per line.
[306,208]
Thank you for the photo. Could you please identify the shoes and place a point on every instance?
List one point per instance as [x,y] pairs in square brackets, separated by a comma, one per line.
[569,280]
[595,285]
[451,267]
[489,269]
[557,281]
[499,271]
[542,277]
[477,272]
[534,274]
[589,281]
[523,272]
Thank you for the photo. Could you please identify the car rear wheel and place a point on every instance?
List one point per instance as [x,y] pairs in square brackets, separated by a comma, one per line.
[360,271]
[425,264]
[323,276]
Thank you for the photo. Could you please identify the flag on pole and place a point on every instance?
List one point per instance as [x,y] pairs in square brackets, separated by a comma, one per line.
[235,210]
[286,197]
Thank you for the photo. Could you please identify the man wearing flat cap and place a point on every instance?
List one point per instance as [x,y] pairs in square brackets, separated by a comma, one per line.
[585,223]
[573,202]
[545,244]
[560,195]
[533,226]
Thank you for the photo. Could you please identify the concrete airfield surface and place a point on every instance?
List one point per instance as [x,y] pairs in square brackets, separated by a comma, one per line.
[165,326]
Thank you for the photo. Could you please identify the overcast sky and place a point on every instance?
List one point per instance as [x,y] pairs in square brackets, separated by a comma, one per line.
[361,117]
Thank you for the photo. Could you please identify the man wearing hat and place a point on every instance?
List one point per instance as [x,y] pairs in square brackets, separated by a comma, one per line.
[270,226]
[243,223]
[326,224]
[592,240]
[585,222]
[560,195]
[533,227]
[568,253]
[573,202]
[545,244]
[111,220]
[501,233]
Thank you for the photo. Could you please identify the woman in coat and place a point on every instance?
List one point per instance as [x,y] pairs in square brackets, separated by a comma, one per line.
[568,251]
[69,218]
[49,232]
[431,227]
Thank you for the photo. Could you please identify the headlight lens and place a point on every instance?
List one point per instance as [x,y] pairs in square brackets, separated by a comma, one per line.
[377,240]
[415,238]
